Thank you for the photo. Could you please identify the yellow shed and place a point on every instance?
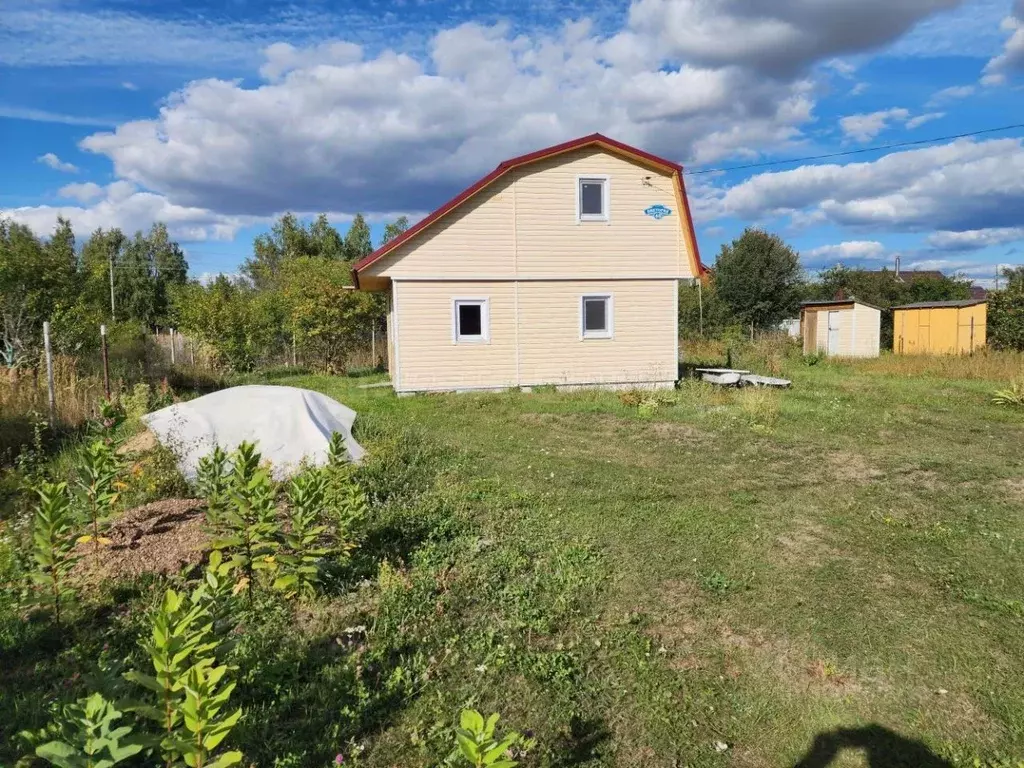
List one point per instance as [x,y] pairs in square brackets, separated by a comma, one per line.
[840,328]
[939,327]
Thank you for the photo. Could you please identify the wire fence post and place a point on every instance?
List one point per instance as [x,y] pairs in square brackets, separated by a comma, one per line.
[373,344]
[192,352]
[171,332]
[293,351]
[106,361]
[49,374]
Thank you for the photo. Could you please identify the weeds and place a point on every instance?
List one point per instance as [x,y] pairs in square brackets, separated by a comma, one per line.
[97,469]
[53,537]
[477,745]
[1012,396]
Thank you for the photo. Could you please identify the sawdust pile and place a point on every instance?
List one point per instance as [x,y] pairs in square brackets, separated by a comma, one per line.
[163,537]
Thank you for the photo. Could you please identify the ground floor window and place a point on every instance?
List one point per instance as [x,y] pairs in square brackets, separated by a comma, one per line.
[470,320]
[596,316]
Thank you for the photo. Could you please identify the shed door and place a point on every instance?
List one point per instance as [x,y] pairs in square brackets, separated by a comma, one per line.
[833,333]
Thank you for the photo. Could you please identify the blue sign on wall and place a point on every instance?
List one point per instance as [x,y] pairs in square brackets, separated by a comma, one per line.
[658,211]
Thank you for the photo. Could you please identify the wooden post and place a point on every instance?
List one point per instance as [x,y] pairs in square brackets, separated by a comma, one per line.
[49,374]
[373,344]
[700,307]
[293,350]
[171,332]
[971,350]
[106,363]
[192,352]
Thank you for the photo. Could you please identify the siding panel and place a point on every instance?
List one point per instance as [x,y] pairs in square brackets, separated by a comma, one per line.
[643,348]
[428,359]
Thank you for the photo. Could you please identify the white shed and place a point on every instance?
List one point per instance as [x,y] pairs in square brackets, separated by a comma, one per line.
[841,328]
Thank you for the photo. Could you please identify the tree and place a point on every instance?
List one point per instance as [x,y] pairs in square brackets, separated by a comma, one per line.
[701,310]
[1014,276]
[357,239]
[290,239]
[241,324]
[327,317]
[1006,317]
[395,228]
[37,281]
[759,278]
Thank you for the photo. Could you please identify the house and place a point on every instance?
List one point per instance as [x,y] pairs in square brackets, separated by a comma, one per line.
[559,267]
[841,328]
[939,327]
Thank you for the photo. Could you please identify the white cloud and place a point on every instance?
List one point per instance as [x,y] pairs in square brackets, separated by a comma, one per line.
[334,130]
[43,116]
[858,89]
[1011,59]
[849,250]
[781,37]
[914,122]
[974,239]
[963,185]
[82,192]
[128,85]
[950,94]
[865,127]
[52,161]
[122,205]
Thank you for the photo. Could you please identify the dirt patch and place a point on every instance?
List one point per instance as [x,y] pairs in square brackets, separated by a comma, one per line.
[143,442]
[163,537]
[805,545]
[1015,488]
[851,467]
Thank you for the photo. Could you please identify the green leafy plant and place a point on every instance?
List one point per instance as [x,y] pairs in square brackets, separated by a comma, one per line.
[111,415]
[1012,396]
[53,539]
[478,746]
[187,685]
[252,530]
[97,469]
[300,564]
[213,483]
[337,453]
[87,736]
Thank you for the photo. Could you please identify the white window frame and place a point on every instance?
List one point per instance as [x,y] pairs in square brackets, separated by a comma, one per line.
[609,316]
[484,303]
[605,197]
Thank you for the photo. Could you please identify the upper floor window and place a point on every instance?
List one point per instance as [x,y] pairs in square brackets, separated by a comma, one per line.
[592,198]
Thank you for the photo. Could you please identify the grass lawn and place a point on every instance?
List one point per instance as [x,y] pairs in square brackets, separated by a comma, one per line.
[773,566]
[827,575]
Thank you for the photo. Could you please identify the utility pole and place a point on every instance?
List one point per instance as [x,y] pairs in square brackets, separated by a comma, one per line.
[110,260]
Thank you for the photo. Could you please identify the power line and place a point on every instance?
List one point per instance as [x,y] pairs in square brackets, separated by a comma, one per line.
[862,150]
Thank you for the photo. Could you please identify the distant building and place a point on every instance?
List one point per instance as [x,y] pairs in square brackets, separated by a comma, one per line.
[841,328]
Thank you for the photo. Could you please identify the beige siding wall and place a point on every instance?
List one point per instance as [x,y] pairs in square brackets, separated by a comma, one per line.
[546,347]
[525,225]
[858,334]
[642,349]
[551,241]
[475,240]
[427,358]
[867,340]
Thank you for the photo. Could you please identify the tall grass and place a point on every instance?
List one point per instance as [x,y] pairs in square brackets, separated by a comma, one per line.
[990,365]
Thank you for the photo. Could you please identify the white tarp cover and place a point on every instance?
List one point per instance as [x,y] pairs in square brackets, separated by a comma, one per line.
[287,424]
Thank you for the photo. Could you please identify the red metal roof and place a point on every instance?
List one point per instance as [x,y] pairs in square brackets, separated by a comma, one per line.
[504,167]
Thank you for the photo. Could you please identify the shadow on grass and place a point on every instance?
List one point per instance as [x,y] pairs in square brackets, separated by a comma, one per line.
[583,742]
[882,748]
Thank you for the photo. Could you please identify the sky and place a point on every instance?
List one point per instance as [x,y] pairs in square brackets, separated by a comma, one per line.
[216,116]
